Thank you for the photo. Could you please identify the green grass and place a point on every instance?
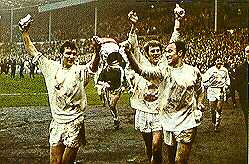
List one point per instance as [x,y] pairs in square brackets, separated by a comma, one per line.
[26,87]
[93,98]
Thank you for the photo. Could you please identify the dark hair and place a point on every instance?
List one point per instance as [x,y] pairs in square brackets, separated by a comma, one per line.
[114,56]
[68,44]
[152,43]
[216,58]
[180,45]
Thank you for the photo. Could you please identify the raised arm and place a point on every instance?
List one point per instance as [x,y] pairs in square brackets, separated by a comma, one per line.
[30,48]
[132,39]
[179,14]
[96,57]
[133,19]
[134,64]
[24,25]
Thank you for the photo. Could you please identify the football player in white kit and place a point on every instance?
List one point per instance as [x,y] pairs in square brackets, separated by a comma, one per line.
[65,83]
[217,81]
[180,95]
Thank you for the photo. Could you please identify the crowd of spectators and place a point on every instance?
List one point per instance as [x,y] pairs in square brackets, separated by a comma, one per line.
[154,22]
[155,19]
[13,57]
[202,49]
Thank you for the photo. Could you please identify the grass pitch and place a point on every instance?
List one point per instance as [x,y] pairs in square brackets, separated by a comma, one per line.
[19,92]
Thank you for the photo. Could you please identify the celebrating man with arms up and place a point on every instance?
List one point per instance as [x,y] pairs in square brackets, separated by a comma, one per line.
[180,95]
[65,83]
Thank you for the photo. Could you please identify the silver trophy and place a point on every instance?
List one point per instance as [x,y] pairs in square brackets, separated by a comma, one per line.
[24,23]
[179,12]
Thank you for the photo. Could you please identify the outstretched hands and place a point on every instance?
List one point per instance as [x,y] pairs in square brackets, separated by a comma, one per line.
[132,16]
[24,23]
[179,12]
[96,43]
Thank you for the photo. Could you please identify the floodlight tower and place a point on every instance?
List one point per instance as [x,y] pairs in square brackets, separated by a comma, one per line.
[215,15]
[11,24]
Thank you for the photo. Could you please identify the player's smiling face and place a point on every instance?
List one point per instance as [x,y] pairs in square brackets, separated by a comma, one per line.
[171,54]
[154,55]
[69,56]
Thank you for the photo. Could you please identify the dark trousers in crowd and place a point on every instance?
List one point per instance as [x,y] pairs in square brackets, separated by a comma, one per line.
[21,73]
[13,73]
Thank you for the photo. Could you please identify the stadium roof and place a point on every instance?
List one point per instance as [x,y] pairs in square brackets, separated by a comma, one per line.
[8,4]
